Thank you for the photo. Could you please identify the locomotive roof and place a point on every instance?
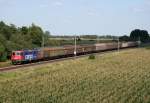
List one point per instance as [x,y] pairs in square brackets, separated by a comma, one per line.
[18,51]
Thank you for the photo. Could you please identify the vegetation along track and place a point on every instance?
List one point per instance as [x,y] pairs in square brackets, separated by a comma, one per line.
[50,61]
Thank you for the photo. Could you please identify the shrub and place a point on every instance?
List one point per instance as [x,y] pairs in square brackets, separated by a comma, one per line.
[92,56]
[147,47]
[3,57]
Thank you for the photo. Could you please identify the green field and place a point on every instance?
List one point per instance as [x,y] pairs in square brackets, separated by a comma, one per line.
[63,41]
[122,77]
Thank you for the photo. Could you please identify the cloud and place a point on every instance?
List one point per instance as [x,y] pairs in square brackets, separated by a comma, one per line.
[92,12]
[6,3]
[2,1]
[58,3]
[67,20]
[43,5]
[138,10]
[147,2]
[144,7]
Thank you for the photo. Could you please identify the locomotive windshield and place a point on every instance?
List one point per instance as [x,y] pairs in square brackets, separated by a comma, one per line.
[17,53]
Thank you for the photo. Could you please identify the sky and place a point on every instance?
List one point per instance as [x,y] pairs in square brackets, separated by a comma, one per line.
[70,17]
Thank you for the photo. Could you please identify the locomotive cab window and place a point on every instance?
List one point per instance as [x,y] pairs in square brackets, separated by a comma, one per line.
[13,53]
[19,53]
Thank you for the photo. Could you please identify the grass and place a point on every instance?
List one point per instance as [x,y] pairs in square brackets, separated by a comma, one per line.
[110,78]
[5,64]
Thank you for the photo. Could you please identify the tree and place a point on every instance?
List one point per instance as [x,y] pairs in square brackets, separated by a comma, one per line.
[13,29]
[47,33]
[46,37]
[36,34]
[2,49]
[124,38]
[2,39]
[137,34]
[24,30]
[14,38]
[144,36]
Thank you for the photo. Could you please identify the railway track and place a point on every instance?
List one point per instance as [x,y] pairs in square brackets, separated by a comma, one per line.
[14,67]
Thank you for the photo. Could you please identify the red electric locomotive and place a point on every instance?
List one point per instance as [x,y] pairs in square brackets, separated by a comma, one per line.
[17,57]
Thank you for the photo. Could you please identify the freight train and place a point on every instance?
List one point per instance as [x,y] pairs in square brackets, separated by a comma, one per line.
[26,56]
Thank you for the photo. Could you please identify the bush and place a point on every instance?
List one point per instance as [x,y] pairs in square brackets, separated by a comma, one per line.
[148,47]
[92,56]
[3,57]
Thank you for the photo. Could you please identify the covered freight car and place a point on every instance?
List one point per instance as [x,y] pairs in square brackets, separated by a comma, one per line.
[129,44]
[52,52]
[80,49]
[106,46]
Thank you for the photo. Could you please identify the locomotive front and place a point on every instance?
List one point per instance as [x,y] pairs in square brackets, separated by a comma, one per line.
[17,57]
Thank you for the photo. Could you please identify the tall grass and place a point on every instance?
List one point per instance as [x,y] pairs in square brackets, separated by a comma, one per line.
[112,78]
[5,64]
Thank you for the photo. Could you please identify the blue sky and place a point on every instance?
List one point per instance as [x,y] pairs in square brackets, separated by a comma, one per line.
[67,17]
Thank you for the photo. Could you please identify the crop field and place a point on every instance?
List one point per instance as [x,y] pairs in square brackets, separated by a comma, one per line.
[122,77]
